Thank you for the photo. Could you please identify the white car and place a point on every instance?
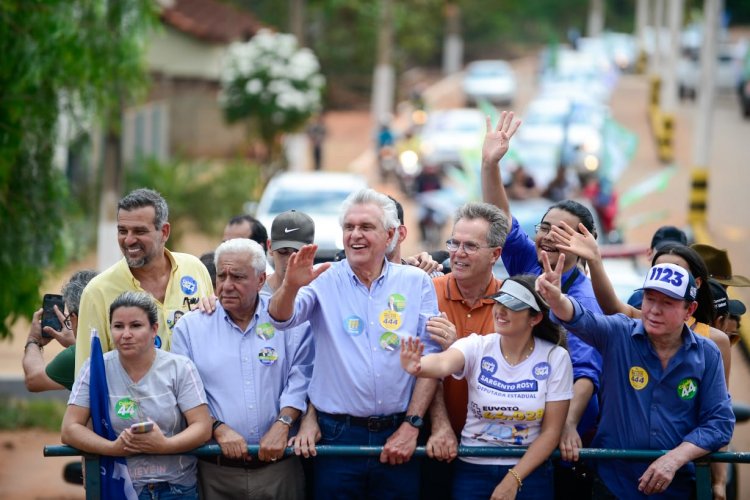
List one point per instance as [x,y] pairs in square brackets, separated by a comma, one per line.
[545,120]
[449,132]
[319,195]
[494,81]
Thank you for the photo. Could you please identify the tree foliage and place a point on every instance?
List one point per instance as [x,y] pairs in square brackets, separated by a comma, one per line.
[77,57]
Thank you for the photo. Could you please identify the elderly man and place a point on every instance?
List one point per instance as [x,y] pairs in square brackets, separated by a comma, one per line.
[662,388]
[175,280]
[476,241]
[255,378]
[359,308]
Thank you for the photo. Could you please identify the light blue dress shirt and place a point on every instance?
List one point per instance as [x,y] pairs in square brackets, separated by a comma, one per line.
[248,375]
[357,333]
[645,406]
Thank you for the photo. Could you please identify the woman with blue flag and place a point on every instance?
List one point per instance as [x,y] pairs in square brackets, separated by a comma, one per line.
[144,403]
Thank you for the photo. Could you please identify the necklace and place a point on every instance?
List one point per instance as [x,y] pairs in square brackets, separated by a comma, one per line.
[523,357]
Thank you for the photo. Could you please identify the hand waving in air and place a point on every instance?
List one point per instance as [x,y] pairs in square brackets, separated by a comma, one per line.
[300,271]
[497,141]
[411,355]
[583,243]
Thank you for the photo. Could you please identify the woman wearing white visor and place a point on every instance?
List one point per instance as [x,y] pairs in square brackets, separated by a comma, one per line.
[520,385]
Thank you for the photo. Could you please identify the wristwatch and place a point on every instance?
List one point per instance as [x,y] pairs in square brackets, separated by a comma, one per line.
[414,420]
[286,420]
[216,425]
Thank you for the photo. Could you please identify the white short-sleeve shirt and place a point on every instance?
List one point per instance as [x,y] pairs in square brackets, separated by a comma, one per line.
[506,403]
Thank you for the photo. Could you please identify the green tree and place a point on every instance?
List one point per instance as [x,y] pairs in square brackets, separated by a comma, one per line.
[72,57]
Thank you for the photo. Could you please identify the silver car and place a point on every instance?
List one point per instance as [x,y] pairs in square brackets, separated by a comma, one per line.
[494,81]
[319,195]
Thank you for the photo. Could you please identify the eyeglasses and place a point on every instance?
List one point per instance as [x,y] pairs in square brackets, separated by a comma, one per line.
[542,228]
[469,247]
[66,321]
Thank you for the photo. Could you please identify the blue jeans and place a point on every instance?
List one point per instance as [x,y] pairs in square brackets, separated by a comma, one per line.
[347,477]
[166,491]
[472,481]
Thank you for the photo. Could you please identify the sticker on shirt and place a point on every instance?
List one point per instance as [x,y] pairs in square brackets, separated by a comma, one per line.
[510,413]
[687,389]
[265,331]
[157,342]
[488,367]
[638,378]
[503,434]
[268,356]
[354,326]
[174,317]
[389,341]
[188,285]
[390,320]
[126,409]
[541,371]
[396,302]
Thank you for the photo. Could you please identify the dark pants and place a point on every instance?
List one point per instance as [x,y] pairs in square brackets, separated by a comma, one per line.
[477,482]
[348,477]
[573,480]
[437,479]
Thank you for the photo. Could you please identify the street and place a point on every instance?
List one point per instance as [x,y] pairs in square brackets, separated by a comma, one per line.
[350,143]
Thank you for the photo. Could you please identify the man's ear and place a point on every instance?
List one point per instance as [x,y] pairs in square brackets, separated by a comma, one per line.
[402,232]
[496,252]
[166,230]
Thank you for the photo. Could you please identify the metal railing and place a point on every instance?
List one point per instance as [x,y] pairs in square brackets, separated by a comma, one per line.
[703,475]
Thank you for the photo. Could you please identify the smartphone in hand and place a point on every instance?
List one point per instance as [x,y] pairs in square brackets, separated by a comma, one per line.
[49,317]
[142,427]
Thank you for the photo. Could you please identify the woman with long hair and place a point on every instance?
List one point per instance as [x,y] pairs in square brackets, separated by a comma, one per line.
[159,390]
[520,384]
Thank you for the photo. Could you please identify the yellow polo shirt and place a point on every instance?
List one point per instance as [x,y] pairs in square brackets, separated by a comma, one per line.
[188,282]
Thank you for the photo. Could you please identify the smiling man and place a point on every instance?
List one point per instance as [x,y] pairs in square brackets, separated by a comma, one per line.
[359,308]
[175,280]
[662,388]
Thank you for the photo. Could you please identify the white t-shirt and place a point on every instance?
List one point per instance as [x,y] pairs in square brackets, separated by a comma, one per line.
[506,403]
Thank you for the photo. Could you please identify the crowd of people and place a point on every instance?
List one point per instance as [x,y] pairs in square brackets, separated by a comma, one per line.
[380,349]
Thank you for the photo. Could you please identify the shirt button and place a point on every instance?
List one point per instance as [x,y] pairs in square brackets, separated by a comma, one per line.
[380,402]
[374,348]
[247,382]
[468,315]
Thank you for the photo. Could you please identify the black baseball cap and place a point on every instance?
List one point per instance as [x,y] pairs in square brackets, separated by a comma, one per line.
[668,234]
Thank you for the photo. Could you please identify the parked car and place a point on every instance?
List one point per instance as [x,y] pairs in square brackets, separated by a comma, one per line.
[689,72]
[449,132]
[318,194]
[494,81]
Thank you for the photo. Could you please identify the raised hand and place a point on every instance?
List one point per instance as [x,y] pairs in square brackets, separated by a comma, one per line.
[411,355]
[497,141]
[548,283]
[300,271]
[583,243]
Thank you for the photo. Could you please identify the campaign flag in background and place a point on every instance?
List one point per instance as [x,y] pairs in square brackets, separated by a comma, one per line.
[115,480]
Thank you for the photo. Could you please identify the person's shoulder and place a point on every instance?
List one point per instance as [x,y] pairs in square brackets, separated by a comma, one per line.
[107,278]
[441,282]
[186,259]
[167,358]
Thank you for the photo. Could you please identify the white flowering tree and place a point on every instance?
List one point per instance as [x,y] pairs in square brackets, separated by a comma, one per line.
[272,84]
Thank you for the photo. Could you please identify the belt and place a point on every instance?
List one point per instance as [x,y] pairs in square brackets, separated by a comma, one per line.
[239,464]
[373,424]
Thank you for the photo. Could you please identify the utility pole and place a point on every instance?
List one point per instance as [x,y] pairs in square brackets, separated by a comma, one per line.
[384,79]
[671,57]
[595,24]
[641,21]
[704,113]
[297,20]
[453,43]
[655,62]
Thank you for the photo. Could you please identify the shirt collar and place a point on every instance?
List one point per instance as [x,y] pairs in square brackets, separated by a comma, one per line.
[386,269]
[261,305]
[135,282]
[452,292]
[688,337]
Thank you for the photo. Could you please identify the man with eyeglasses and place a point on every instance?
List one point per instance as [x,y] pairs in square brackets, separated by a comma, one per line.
[479,232]
[170,277]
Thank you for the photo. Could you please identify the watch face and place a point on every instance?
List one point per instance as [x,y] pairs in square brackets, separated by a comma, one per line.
[286,419]
[415,421]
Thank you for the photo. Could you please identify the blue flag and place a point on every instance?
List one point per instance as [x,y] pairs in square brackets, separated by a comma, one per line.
[115,480]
